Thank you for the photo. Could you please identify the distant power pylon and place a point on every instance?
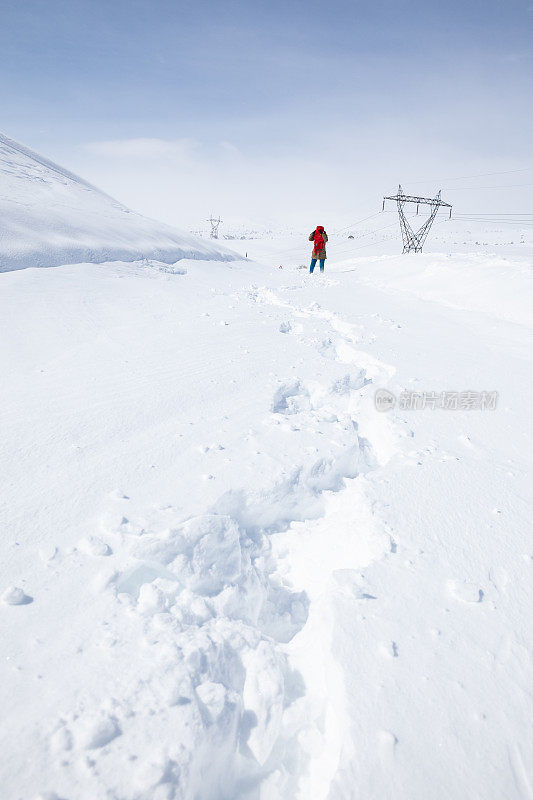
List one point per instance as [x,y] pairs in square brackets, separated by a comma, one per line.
[414,241]
[214,226]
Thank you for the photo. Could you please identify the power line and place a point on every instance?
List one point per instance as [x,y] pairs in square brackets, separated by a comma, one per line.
[347,248]
[525,220]
[413,241]
[496,220]
[215,223]
[479,175]
[350,248]
[385,239]
[515,223]
[475,188]
[494,214]
[376,230]
[359,221]
[283,251]
[496,217]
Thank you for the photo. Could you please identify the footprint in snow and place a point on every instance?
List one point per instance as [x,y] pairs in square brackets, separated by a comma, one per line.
[61,740]
[155,775]
[205,448]
[350,382]
[290,398]
[327,349]
[465,591]
[94,546]
[47,552]
[214,697]
[352,583]
[15,596]
[93,732]
[389,650]
[388,742]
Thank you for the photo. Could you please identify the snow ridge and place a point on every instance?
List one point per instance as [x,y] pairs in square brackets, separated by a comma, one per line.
[51,217]
[8,144]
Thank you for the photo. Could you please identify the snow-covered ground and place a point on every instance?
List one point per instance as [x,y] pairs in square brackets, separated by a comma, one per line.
[225,574]
[50,217]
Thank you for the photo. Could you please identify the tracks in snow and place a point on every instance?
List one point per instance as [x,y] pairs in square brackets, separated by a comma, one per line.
[235,683]
[325,556]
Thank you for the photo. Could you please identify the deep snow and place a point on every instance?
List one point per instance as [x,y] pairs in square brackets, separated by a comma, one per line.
[226,575]
[51,217]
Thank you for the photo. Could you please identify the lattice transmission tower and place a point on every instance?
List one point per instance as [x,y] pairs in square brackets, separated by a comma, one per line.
[214,226]
[413,241]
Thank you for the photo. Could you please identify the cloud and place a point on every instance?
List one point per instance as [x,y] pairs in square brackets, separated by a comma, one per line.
[180,181]
[178,149]
[340,174]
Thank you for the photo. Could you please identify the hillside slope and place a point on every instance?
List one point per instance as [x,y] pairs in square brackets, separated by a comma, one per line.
[51,217]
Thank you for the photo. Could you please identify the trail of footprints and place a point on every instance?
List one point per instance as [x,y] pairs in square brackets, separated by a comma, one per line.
[205,600]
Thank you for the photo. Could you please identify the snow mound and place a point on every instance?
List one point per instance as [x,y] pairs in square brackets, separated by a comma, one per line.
[52,217]
[475,282]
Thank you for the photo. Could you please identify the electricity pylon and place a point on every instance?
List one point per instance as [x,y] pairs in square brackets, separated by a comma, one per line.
[413,241]
[214,226]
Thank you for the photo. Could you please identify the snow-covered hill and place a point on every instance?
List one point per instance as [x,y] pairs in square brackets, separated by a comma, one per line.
[50,216]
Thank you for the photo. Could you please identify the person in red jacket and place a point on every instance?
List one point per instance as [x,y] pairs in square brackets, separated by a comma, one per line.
[319,237]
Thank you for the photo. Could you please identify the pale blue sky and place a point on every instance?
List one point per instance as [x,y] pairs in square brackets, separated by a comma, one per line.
[259,110]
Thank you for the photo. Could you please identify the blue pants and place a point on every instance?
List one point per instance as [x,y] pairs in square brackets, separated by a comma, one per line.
[313,264]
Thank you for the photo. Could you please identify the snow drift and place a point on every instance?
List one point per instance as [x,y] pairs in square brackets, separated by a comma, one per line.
[475,282]
[226,575]
[51,217]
